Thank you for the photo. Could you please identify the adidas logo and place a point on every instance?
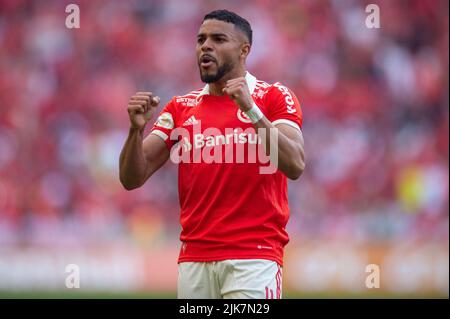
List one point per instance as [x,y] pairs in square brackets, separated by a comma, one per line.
[190,121]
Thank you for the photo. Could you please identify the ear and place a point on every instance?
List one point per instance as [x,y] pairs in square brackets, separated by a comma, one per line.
[245,50]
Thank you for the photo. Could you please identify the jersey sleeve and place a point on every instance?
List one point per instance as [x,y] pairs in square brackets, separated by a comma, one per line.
[165,123]
[283,106]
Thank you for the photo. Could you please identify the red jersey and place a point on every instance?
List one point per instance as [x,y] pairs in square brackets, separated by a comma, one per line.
[229,210]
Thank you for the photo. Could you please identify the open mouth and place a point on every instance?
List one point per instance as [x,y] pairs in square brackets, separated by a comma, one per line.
[206,61]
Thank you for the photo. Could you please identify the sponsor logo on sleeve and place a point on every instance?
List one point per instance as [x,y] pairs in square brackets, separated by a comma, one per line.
[290,107]
[165,120]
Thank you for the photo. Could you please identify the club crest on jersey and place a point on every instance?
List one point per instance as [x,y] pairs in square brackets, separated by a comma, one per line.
[165,120]
[243,117]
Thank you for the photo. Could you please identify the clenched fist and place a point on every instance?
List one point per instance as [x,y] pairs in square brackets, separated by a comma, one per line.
[141,107]
[238,91]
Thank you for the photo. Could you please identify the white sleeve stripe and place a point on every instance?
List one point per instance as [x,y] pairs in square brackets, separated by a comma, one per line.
[161,134]
[288,122]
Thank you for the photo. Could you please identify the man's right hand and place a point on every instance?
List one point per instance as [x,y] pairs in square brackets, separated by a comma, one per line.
[141,107]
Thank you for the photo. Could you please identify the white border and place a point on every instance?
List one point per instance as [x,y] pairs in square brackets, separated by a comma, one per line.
[161,134]
[288,122]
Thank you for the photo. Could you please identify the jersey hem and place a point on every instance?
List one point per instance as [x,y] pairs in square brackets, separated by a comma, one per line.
[225,257]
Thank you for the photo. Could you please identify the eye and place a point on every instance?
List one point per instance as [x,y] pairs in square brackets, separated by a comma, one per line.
[200,40]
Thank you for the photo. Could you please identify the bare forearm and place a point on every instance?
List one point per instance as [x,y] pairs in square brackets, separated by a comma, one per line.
[291,153]
[133,165]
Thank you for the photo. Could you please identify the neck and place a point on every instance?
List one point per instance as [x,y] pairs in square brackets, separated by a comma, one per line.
[215,88]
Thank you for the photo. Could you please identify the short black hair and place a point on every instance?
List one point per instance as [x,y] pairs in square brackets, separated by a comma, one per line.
[231,17]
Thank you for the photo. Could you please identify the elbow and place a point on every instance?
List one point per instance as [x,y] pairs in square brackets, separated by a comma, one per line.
[296,170]
[134,181]
[296,165]
[129,186]
[294,175]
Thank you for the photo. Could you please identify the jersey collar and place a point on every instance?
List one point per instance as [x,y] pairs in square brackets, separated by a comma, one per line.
[251,82]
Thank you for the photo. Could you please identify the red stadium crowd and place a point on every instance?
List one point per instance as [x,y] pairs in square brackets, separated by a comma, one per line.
[375,105]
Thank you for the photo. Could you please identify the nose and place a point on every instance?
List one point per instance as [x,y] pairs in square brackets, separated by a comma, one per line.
[206,45]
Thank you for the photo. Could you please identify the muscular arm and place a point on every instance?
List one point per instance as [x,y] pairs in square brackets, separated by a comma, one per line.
[290,143]
[140,158]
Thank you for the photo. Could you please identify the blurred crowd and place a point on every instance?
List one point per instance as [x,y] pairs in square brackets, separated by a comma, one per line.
[375,105]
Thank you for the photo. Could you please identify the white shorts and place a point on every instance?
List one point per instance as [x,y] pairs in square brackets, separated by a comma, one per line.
[230,279]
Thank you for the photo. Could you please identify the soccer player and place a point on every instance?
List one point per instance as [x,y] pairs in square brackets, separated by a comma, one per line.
[233,216]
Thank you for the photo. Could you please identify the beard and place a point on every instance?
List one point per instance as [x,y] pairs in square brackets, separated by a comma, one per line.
[221,71]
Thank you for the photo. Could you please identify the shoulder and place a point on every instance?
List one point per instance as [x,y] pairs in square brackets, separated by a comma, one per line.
[262,84]
[261,89]
[278,98]
[281,93]
[271,91]
[280,89]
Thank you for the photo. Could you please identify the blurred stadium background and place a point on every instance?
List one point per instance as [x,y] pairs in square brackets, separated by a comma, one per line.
[376,126]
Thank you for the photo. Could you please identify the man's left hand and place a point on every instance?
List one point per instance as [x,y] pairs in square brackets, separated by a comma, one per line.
[238,91]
